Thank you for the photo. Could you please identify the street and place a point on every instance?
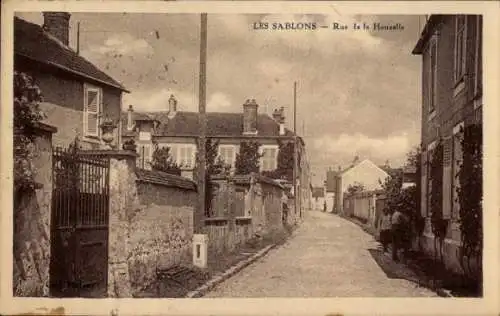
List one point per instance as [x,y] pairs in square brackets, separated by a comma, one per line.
[327,256]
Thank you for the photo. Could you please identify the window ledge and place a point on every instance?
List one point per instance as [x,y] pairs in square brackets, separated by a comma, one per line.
[91,139]
[431,115]
[459,87]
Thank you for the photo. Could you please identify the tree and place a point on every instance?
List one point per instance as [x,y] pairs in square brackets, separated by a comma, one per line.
[247,159]
[356,187]
[27,113]
[163,161]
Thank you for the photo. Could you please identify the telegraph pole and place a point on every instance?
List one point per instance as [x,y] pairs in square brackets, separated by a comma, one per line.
[295,149]
[200,213]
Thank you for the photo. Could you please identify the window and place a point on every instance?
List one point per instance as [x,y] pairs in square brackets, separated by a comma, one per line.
[457,157]
[145,136]
[182,154]
[478,83]
[460,46]
[432,82]
[268,159]
[91,110]
[228,154]
[186,156]
[145,153]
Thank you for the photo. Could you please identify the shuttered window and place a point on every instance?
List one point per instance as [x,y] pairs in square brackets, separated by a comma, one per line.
[269,158]
[460,49]
[91,111]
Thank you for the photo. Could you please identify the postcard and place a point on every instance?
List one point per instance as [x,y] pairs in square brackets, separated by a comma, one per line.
[249,158]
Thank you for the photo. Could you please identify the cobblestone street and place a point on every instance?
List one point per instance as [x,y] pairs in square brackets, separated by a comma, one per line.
[327,256]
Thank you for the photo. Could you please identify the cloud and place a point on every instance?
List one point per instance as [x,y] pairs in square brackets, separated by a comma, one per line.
[121,44]
[157,100]
[392,147]
[219,102]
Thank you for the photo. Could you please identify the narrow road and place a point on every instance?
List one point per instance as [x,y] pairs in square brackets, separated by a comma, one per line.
[327,256]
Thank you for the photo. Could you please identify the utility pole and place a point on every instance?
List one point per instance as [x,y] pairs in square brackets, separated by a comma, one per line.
[78,38]
[295,149]
[200,212]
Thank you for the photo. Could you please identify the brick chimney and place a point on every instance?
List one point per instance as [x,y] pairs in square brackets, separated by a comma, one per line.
[130,122]
[57,24]
[250,117]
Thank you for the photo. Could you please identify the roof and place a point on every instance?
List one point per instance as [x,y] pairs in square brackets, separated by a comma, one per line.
[165,179]
[31,41]
[430,25]
[318,192]
[218,124]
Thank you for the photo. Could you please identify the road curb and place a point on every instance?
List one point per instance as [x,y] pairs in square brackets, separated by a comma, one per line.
[202,290]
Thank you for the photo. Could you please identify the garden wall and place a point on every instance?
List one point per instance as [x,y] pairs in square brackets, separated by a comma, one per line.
[31,237]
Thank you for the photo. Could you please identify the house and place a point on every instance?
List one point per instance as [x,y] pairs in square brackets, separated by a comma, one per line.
[318,195]
[364,173]
[451,50]
[331,183]
[179,131]
[77,95]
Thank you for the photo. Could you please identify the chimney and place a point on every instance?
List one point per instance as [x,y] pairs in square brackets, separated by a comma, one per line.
[172,106]
[57,24]
[130,122]
[250,117]
[282,121]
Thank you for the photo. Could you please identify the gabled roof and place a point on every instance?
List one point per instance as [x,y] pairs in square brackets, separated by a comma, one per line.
[32,42]
[361,163]
[218,124]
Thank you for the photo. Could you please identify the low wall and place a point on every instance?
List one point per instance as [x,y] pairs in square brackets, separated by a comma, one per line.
[31,216]
[161,228]
[243,207]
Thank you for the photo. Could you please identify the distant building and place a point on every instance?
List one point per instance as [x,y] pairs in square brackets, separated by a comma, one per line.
[409,176]
[451,50]
[318,195]
[365,173]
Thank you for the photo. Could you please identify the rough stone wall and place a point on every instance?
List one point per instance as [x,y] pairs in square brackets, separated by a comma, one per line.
[273,208]
[31,238]
[160,232]
[123,200]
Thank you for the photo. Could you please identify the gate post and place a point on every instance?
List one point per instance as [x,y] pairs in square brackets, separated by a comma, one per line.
[122,201]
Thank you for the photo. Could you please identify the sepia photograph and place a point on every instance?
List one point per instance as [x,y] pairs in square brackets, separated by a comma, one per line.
[168,155]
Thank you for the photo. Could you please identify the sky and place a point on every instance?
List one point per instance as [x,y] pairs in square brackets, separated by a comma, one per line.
[358,90]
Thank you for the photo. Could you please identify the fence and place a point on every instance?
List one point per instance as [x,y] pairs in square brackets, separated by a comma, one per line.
[365,206]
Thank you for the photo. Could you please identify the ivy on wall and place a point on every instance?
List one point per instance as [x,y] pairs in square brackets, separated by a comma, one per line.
[470,194]
[27,98]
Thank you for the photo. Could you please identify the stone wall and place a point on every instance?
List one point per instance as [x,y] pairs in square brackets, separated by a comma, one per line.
[160,231]
[232,224]
[31,238]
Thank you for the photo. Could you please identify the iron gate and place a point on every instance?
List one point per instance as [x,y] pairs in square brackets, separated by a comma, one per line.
[79,224]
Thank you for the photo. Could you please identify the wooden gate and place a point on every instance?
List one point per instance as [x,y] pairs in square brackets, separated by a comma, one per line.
[79,224]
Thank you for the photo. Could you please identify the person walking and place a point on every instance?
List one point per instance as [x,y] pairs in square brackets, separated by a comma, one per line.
[397,231]
[385,229]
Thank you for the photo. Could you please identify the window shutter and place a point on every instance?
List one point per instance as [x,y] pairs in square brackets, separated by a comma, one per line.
[447,185]
[91,112]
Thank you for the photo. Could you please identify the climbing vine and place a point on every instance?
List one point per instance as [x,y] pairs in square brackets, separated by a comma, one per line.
[27,113]
[470,193]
